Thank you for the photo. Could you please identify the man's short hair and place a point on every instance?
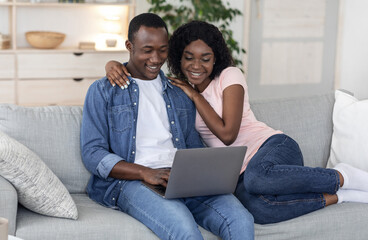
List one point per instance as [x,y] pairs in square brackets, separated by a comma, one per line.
[145,19]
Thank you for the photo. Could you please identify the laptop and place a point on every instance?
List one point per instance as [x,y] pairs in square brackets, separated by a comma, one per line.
[202,172]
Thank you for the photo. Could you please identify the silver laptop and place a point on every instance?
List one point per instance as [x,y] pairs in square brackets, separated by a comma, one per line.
[203,172]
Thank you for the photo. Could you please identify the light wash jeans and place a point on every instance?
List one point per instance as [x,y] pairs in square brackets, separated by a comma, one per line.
[223,215]
[276,186]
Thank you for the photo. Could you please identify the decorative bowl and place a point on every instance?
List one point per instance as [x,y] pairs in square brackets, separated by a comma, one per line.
[44,40]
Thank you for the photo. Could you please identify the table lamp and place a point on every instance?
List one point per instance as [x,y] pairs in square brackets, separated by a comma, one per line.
[112,26]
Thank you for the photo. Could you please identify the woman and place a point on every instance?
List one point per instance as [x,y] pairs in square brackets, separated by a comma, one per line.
[273,185]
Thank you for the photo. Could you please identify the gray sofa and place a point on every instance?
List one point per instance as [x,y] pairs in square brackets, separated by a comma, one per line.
[53,133]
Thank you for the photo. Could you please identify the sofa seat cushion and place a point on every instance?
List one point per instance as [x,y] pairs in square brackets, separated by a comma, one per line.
[98,222]
[338,222]
[94,222]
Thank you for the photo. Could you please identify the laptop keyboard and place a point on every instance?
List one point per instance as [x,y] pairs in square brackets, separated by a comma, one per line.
[160,189]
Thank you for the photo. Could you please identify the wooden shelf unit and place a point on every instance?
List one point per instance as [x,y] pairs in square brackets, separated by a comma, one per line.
[60,76]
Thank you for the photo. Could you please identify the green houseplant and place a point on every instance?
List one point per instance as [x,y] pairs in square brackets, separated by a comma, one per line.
[213,11]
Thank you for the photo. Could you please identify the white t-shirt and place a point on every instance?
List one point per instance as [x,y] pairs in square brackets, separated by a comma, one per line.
[154,146]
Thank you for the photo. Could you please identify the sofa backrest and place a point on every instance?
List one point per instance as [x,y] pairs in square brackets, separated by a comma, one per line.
[53,134]
[306,119]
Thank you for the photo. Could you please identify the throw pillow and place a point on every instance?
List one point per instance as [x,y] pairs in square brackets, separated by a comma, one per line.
[350,132]
[38,188]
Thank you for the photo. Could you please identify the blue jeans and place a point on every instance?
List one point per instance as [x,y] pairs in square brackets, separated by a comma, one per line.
[223,215]
[276,186]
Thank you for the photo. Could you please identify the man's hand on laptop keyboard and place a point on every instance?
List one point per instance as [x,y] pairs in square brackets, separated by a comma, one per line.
[156,176]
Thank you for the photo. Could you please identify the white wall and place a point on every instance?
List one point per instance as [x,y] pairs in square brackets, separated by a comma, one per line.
[353,62]
[142,6]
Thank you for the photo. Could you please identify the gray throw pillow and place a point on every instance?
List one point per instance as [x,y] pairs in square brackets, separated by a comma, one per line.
[38,187]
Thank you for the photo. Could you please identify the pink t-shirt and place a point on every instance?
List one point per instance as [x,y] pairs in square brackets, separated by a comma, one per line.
[252,132]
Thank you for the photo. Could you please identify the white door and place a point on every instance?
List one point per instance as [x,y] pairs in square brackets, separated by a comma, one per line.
[292,47]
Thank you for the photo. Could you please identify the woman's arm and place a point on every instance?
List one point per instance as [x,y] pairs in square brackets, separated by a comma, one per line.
[227,127]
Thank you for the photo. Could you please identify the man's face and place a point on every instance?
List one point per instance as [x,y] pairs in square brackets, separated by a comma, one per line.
[148,52]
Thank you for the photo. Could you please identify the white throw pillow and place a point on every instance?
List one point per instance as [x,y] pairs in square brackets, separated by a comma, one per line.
[37,186]
[350,132]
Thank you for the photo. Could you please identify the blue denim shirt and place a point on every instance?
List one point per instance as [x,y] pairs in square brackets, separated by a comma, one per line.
[109,128]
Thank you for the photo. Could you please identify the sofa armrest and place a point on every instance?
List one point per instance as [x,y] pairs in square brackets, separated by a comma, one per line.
[8,203]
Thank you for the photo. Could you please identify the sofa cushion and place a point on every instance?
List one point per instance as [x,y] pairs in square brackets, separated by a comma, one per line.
[338,222]
[53,134]
[306,119]
[350,132]
[94,222]
[38,188]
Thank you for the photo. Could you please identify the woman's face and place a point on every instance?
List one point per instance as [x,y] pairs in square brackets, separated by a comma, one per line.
[197,63]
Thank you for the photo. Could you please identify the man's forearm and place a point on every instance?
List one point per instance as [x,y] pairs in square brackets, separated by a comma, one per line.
[132,171]
[127,171]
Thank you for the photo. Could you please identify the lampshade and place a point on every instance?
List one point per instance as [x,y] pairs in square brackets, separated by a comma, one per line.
[112,24]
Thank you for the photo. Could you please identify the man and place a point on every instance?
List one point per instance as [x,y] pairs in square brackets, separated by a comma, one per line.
[130,135]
